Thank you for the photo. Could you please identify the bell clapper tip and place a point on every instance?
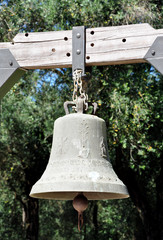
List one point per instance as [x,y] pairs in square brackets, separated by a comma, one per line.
[80,203]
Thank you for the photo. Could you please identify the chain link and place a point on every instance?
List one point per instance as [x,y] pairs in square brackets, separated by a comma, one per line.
[80,98]
[77,78]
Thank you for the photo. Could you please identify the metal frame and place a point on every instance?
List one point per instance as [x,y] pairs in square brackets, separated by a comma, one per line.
[155,54]
[10,71]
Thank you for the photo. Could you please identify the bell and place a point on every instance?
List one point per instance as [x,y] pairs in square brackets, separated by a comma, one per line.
[79,162]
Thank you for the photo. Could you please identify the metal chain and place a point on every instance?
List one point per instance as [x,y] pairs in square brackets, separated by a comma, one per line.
[77,78]
[80,98]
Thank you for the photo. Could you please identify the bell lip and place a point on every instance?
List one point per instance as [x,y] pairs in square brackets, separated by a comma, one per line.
[70,195]
[68,190]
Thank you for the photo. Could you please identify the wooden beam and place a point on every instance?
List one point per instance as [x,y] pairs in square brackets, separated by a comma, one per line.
[104,46]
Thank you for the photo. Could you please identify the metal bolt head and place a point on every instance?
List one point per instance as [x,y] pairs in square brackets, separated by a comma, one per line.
[153,52]
[78,35]
[78,52]
[11,63]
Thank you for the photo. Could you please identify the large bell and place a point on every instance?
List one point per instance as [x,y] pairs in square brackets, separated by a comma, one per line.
[79,162]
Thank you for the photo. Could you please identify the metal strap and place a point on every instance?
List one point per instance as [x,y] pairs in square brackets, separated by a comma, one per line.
[78,49]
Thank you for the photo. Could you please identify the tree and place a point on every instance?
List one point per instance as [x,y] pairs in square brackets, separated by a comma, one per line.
[134,123]
[25,149]
[129,99]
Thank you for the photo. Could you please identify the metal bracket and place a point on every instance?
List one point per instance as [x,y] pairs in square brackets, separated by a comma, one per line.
[78,49]
[155,54]
[10,71]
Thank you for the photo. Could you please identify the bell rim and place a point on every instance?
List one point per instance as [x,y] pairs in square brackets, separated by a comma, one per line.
[71,195]
[92,190]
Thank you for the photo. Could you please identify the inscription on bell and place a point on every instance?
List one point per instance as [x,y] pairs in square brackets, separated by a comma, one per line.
[103,147]
[84,151]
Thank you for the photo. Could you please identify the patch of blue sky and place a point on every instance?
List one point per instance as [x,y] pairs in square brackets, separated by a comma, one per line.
[49,78]
[5,2]
[155,73]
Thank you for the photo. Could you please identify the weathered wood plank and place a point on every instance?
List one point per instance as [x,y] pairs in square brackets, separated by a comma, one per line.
[104,46]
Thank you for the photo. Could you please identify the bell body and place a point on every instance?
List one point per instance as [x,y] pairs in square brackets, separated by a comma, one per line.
[79,162]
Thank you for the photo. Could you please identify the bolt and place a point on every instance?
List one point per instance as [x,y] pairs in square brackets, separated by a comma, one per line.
[153,52]
[11,63]
[78,52]
[78,35]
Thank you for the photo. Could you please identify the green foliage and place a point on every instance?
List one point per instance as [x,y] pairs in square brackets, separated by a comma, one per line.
[10,214]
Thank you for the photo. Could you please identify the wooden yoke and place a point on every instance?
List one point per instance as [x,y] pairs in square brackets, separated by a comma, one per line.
[104,46]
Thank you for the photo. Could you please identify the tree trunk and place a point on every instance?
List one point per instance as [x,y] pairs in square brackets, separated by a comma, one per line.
[31,218]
